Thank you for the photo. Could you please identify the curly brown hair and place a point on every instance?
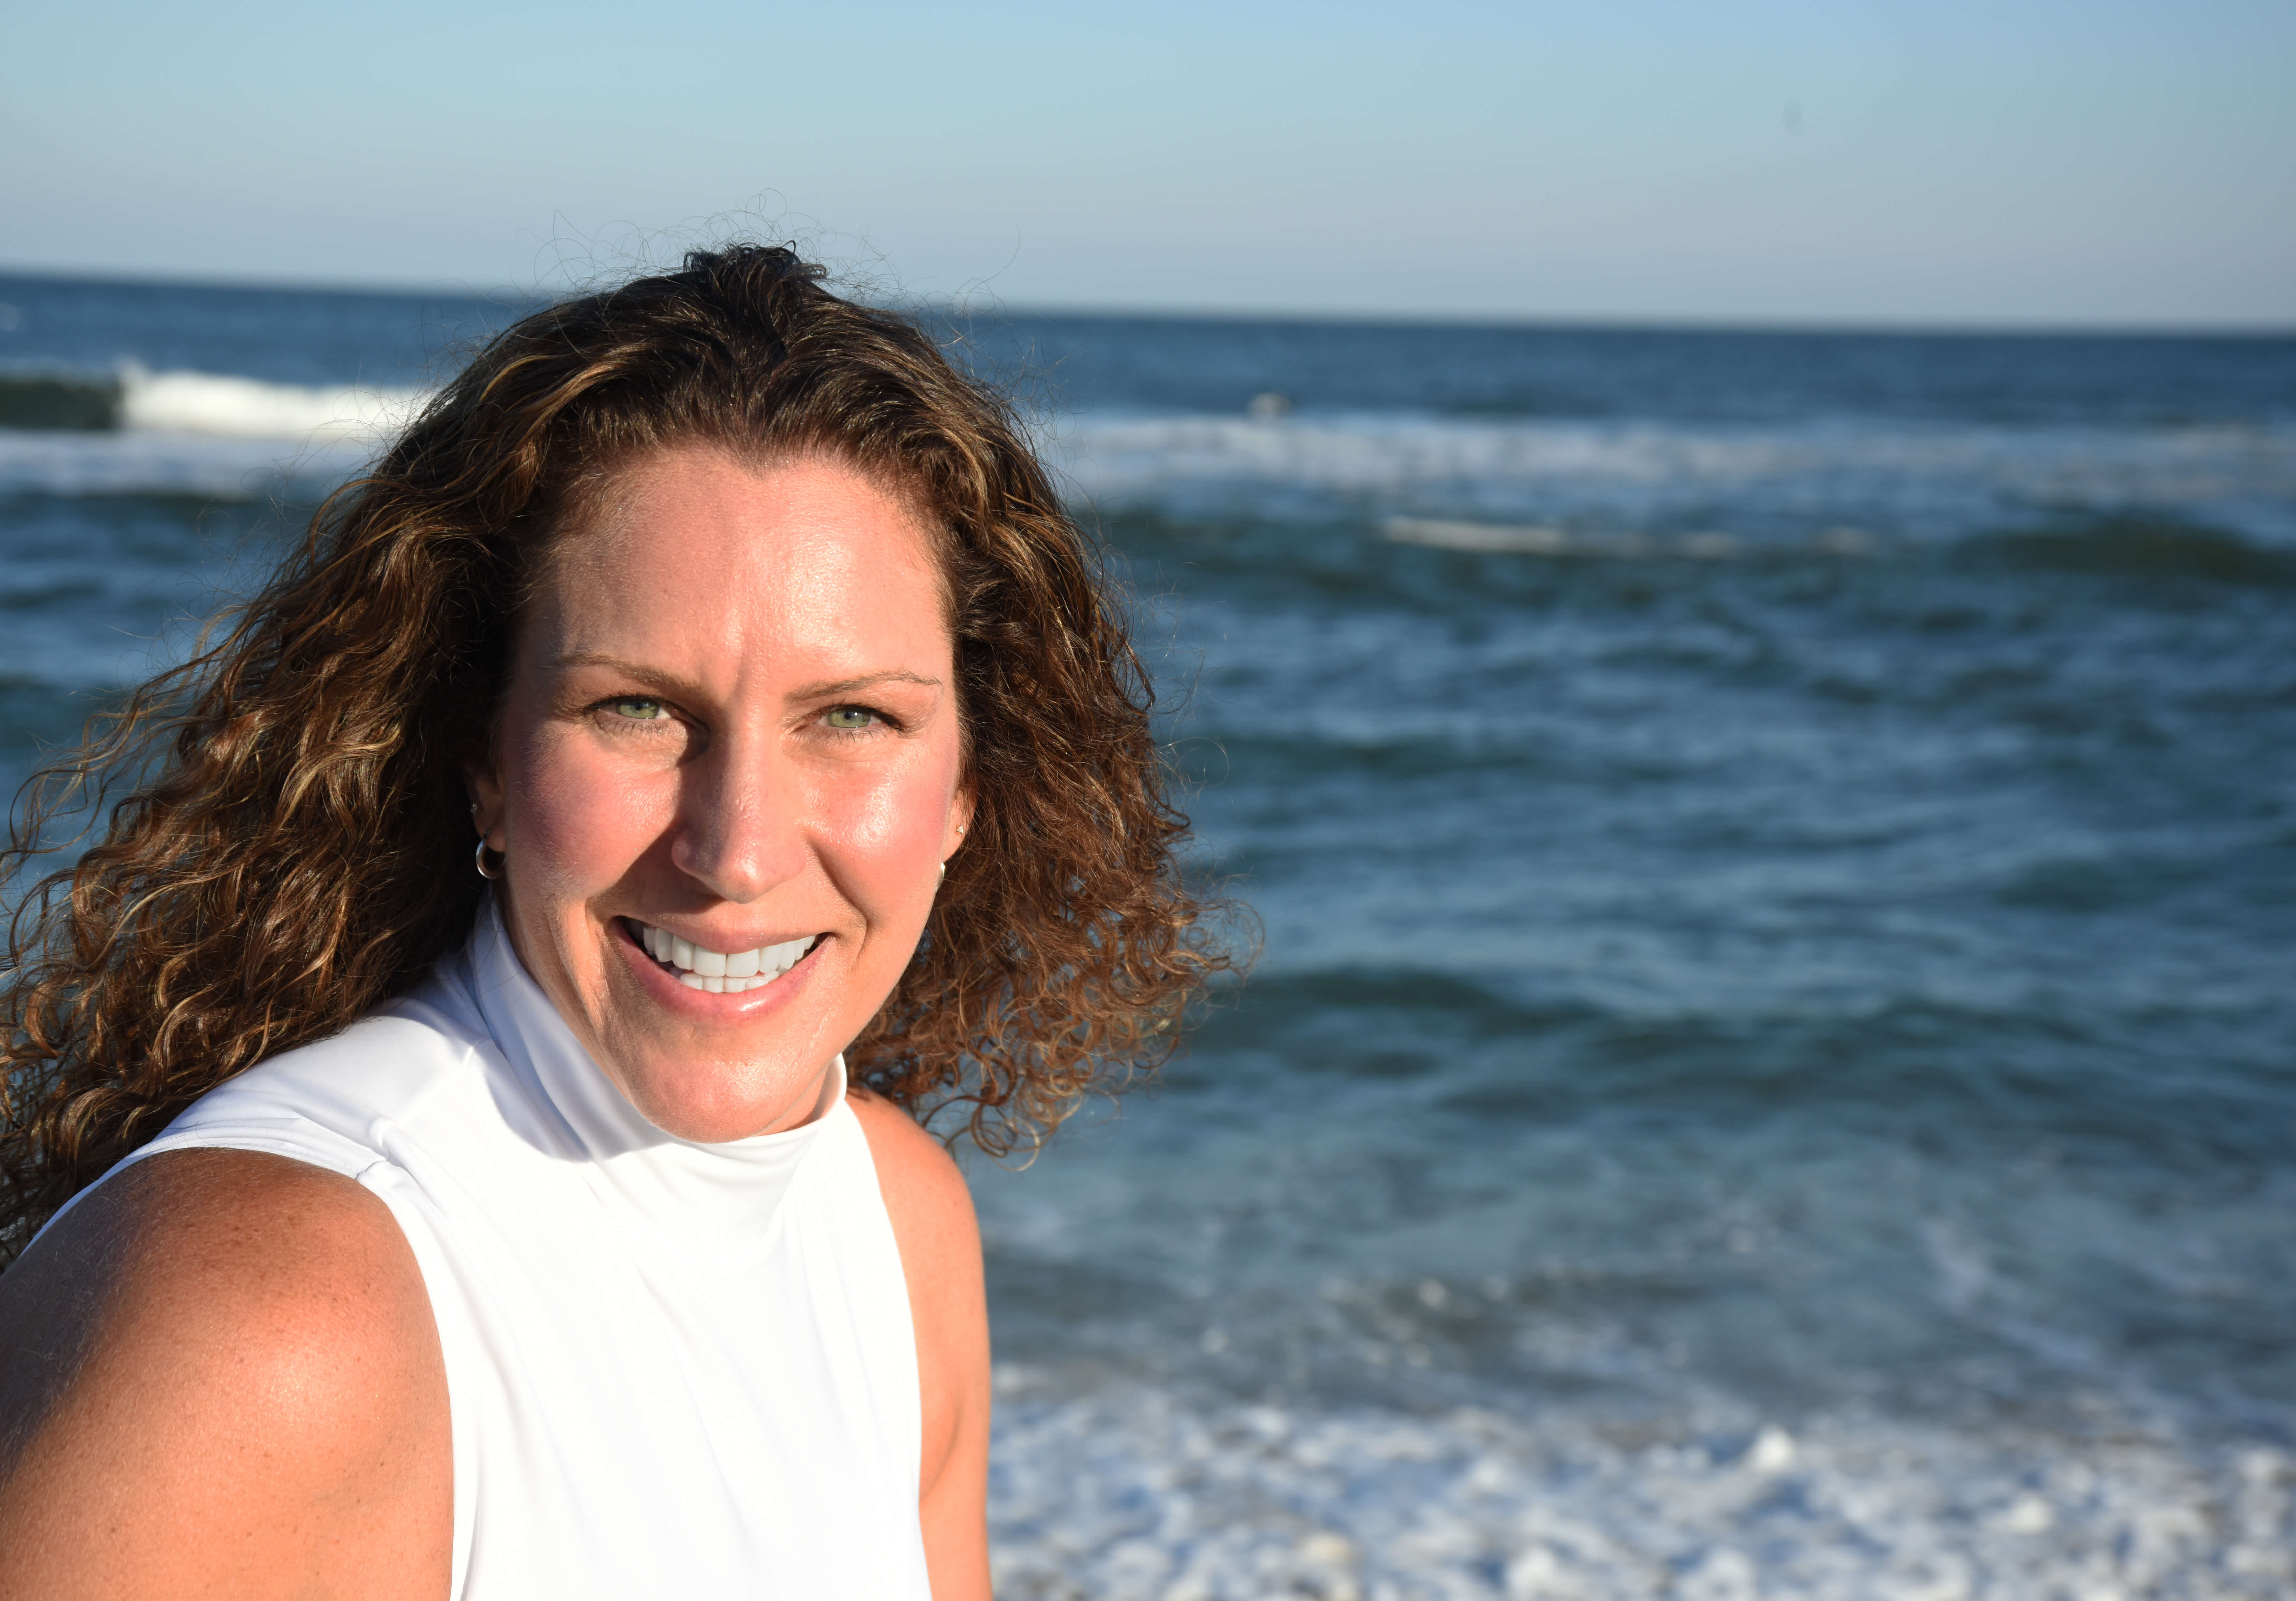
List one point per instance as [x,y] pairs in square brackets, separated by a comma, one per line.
[292,846]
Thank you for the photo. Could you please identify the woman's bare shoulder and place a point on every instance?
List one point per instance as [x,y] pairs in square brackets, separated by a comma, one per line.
[923,1186]
[933,1224]
[219,1372]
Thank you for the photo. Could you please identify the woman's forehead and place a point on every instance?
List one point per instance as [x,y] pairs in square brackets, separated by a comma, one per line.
[698,490]
[693,551]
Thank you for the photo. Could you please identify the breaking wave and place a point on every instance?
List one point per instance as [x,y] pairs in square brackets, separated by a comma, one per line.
[246,408]
[2138,548]
[213,404]
[140,432]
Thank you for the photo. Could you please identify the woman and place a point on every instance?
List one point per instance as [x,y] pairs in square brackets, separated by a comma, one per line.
[696,752]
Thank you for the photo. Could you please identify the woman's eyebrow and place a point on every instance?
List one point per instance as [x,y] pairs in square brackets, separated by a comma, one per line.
[808,692]
[653,676]
[842,686]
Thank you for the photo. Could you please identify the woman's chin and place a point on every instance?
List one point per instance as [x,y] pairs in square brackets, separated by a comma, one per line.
[713,1102]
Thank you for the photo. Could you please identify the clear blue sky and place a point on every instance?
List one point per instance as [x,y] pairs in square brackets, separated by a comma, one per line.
[2024,161]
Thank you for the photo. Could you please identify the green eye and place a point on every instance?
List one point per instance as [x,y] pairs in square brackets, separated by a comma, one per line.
[849,716]
[636,707]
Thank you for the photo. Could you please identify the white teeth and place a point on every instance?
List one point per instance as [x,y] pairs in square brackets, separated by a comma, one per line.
[721,973]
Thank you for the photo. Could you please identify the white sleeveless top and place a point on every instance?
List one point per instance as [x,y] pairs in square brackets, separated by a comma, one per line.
[673,1368]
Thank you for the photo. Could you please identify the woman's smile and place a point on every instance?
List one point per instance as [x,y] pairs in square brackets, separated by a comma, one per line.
[698,966]
[685,995]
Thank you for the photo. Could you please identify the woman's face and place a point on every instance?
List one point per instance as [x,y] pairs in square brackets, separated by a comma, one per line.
[726,771]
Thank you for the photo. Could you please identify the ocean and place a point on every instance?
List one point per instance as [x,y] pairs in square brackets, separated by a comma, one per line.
[1772,1066]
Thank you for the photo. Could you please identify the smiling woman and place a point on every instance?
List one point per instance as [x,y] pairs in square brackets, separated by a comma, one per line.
[548,1213]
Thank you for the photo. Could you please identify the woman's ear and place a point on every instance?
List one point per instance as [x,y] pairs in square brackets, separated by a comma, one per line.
[484,781]
[960,820]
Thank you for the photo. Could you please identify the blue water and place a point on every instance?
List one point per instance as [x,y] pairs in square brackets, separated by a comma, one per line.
[1773,1069]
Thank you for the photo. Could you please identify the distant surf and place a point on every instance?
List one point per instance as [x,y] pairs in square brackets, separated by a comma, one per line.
[1645,475]
[135,432]
[1489,539]
[218,404]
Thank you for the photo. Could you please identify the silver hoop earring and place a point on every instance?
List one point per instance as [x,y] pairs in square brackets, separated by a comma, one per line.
[480,858]
[940,875]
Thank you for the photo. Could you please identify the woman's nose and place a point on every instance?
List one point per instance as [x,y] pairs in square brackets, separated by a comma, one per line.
[738,826]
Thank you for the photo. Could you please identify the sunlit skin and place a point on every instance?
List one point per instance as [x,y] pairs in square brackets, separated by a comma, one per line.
[731,714]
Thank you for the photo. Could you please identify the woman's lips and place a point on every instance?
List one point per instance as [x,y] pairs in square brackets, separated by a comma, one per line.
[689,988]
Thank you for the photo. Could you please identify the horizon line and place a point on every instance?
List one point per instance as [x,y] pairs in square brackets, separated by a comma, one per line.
[1882,324]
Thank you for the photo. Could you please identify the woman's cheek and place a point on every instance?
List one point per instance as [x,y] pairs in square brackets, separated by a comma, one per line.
[589,818]
[890,825]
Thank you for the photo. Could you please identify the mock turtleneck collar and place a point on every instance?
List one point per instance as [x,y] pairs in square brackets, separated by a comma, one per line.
[697,1200]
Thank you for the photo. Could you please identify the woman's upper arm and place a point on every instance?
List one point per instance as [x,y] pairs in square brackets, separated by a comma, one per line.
[220,1374]
[931,1212]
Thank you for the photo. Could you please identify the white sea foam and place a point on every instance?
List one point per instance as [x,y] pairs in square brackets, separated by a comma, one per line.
[1480,537]
[246,408]
[1135,1494]
[1539,539]
[209,434]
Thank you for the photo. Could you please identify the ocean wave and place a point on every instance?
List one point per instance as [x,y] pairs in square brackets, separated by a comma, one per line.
[2109,546]
[2140,547]
[1447,465]
[1709,544]
[57,400]
[1125,1492]
[246,408]
[214,404]
[135,432]
[1452,482]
